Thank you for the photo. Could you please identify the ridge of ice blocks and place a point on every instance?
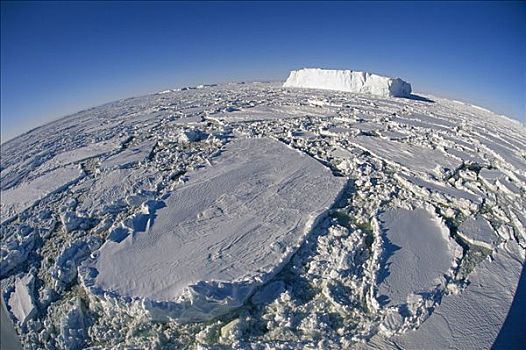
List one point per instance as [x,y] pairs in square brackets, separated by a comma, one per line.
[228,229]
[348,81]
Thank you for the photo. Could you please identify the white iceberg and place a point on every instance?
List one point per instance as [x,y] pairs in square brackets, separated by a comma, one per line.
[349,81]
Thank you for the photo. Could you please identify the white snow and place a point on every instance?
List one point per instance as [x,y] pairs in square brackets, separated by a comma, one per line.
[21,300]
[15,253]
[15,200]
[472,319]
[478,230]
[228,229]
[416,254]
[349,81]
[80,154]
[111,192]
[272,113]
[436,188]
[129,156]
[414,157]
[8,334]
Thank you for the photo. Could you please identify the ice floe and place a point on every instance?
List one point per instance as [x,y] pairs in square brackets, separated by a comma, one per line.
[229,228]
[21,301]
[14,200]
[416,254]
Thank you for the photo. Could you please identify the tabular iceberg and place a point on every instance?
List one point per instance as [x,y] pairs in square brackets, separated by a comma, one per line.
[349,81]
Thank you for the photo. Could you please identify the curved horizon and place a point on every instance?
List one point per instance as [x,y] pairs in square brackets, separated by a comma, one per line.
[62,57]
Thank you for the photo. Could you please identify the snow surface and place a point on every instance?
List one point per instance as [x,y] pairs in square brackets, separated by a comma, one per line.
[416,254]
[473,319]
[129,157]
[349,81]
[478,230]
[8,334]
[410,156]
[15,200]
[231,227]
[21,300]
[79,154]
[121,176]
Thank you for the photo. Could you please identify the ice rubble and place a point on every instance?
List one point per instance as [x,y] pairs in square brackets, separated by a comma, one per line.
[398,154]
[228,229]
[349,81]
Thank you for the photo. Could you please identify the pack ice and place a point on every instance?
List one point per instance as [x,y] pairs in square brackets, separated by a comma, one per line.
[349,81]
[228,229]
[275,217]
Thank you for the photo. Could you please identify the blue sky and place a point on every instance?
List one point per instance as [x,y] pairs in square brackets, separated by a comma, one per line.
[58,57]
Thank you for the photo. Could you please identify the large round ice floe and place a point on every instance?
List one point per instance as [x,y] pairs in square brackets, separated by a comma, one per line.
[229,228]
[417,253]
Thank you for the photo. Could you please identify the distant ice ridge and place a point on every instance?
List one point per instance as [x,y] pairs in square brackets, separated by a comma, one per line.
[349,81]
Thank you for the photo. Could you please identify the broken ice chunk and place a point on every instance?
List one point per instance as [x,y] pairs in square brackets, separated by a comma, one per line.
[14,253]
[73,327]
[478,230]
[192,135]
[21,301]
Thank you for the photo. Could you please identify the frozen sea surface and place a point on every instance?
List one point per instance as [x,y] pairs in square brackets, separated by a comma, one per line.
[416,254]
[252,215]
[15,200]
[231,227]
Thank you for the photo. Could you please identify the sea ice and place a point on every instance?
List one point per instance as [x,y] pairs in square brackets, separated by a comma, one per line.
[478,230]
[15,200]
[129,156]
[79,154]
[21,300]
[8,334]
[15,253]
[473,319]
[109,193]
[413,157]
[231,227]
[416,254]
[261,113]
[199,223]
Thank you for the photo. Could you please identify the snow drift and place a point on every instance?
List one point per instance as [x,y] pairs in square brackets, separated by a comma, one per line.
[349,81]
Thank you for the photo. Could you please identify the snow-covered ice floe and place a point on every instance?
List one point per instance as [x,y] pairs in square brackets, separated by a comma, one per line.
[228,229]
[473,319]
[349,81]
[15,200]
[416,256]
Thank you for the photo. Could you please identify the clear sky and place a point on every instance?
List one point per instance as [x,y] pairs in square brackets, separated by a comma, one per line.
[58,57]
